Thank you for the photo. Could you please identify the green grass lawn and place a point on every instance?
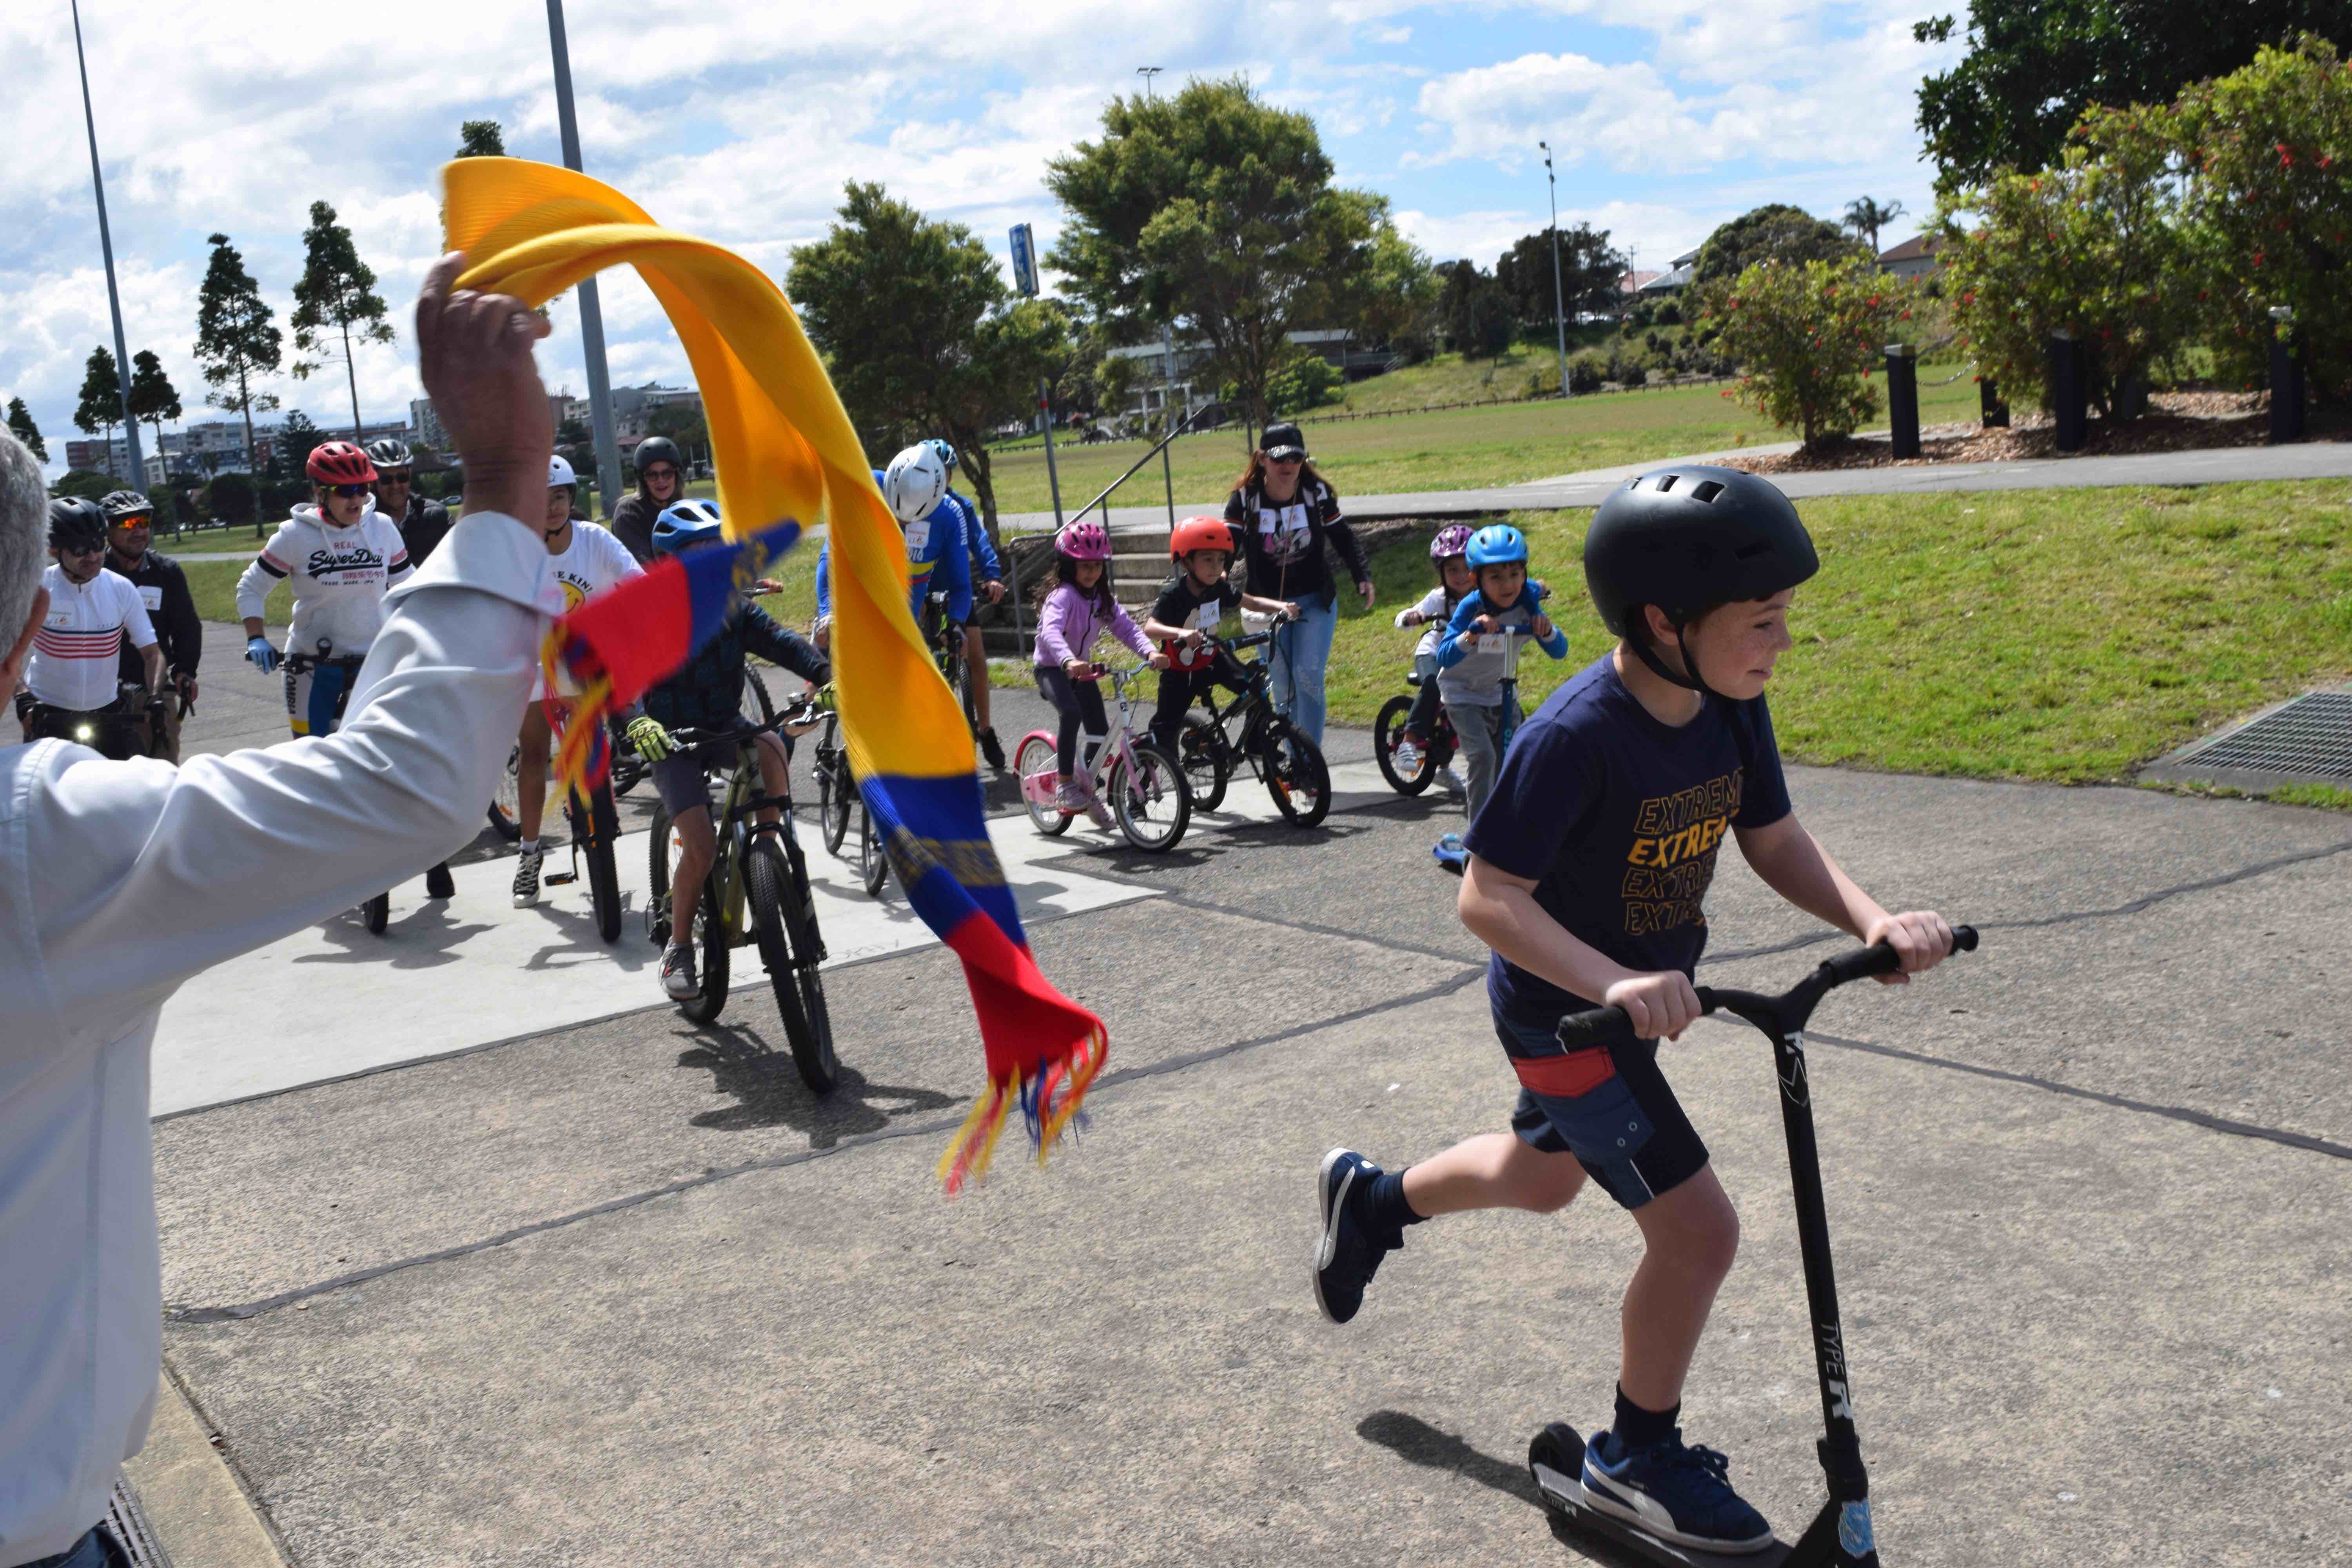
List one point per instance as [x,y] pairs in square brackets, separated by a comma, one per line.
[2064,636]
[1457,449]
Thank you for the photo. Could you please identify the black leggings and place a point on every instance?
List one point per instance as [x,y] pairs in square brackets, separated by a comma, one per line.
[1422,722]
[1179,688]
[1078,702]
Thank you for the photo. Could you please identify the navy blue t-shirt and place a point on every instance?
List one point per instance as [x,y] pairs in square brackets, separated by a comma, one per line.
[1617,819]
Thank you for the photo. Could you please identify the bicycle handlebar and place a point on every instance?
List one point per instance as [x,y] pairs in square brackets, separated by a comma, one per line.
[1791,1008]
[805,711]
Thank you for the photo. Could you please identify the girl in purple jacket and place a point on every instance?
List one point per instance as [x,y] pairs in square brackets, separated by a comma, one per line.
[1075,611]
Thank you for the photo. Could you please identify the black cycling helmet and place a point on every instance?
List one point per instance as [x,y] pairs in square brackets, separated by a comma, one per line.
[1687,539]
[389,452]
[77,522]
[118,505]
[658,449]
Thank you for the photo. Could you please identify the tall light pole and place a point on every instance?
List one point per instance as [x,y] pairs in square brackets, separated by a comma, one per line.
[1146,73]
[591,316]
[1558,306]
[105,248]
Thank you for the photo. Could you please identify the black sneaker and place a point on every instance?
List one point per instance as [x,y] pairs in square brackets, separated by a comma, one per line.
[993,749]
[1349,1253]
[1678,1493]
[677,978]
[439,884]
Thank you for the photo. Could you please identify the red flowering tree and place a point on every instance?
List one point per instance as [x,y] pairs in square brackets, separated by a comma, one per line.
[1807,339]
[2094,245]
[2271,202]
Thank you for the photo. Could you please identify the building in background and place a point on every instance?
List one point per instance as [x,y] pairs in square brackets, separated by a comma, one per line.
[423,428]
[1915,257]
[1672,281]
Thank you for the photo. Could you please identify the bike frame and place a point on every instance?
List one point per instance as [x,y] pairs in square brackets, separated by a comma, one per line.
[1840,1535]
[732,825]
[1117,746]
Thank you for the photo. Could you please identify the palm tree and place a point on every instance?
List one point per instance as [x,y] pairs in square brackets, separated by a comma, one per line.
[1866,218]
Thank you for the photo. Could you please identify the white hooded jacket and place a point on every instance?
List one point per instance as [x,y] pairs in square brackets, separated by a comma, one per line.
[339,577]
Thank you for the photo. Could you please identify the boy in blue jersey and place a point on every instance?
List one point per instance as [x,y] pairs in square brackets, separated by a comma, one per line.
[1470,658]
[1587,870]
[988,577]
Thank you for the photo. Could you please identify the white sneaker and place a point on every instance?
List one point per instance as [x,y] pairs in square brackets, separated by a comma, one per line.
[526,882]
[1097,813]
[1453,781]
[1071,798]
[1406,758]
[677,979]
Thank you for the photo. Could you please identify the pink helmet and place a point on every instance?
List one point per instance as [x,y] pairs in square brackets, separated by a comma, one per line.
[1084,541]
[1453,539]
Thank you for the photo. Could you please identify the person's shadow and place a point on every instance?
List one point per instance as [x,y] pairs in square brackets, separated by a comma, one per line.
[769,1091]
[422,937]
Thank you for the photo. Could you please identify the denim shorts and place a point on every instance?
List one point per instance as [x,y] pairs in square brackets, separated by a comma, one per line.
[1608,1105]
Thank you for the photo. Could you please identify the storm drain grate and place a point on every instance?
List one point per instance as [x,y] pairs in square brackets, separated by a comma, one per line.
[2311,736]
[127,1523]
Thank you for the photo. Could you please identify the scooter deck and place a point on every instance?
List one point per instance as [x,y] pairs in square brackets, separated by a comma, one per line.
[1563,1496]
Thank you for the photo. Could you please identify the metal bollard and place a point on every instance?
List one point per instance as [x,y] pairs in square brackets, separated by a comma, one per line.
[1903,398]
[2069,392]
[1990,409]
[2286,378]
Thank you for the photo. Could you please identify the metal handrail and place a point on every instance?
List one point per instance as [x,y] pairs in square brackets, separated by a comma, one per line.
[1159,449]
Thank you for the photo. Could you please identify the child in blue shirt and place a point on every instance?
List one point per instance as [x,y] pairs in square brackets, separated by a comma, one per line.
[1470,654]
[1588,865]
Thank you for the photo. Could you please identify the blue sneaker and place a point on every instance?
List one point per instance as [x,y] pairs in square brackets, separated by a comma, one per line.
[1679,1494]
[1349,1254]
[1450,852]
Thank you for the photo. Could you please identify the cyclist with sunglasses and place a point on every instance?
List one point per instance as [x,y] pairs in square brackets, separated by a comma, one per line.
[70,679]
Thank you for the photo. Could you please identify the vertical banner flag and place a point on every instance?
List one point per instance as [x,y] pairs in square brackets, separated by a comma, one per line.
[786,455]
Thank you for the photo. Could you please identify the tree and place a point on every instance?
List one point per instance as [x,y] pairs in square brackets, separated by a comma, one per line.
[1865,217]
[682,423]
[2034,67]
[914,317]
[21,425]
[1473,313]
[1398,287]
[101,407]
[153,399]
[1772,233]
[2271,209]
[2093,247]
[337,291]
[1211,214]
[1589,274]
[289,453]
[481,139]
[1807,336]
[237,339]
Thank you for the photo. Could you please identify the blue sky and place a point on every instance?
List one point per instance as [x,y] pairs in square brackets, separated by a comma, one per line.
[738,119]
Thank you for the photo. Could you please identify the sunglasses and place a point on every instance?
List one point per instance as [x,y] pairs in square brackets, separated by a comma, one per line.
[79,551]
[662,472]
[392,477]
[1292,461]
[346,492]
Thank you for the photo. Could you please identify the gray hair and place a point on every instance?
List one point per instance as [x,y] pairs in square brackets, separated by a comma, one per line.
[24,536]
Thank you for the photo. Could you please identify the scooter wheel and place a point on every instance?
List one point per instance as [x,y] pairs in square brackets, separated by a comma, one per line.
[1560,1448]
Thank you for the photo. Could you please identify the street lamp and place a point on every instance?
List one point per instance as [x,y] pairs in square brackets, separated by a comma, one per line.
[105,248]
[1558,306]
[1146,73]
[592,315]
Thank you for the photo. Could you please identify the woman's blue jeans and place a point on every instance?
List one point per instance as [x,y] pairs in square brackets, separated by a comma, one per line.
[1302,650]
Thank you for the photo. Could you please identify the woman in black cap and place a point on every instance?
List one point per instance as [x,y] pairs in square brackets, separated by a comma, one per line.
[1283,511]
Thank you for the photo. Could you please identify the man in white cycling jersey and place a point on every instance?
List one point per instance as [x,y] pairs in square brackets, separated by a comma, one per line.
[340,556]
[587,561]
[73,677]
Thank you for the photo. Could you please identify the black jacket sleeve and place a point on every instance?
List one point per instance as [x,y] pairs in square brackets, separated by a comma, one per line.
[182,628]
[782,646]
[1342,537]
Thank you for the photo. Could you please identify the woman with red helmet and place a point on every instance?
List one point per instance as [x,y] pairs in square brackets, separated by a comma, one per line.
[340,555]
[1075,609]
[1192,604]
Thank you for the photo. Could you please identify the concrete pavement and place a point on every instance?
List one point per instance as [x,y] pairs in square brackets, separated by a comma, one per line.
[623,1292]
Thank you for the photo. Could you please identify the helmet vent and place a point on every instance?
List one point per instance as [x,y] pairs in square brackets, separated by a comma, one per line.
[1667,482]
[1707,490]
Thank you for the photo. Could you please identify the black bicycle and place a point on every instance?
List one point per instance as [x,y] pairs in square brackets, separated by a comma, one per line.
[1840,1535]
[945,636]
[757,890]
[133,725]
[1213,748]
[1437,748]
[376,914]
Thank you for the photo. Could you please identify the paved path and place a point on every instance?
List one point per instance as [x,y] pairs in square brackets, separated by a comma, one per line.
[2316,459]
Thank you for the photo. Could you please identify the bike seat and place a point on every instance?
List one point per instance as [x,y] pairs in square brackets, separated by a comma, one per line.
[1412,677]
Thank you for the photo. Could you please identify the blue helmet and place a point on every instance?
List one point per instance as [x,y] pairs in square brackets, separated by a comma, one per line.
[1495,544]
[685,524]
[947,454]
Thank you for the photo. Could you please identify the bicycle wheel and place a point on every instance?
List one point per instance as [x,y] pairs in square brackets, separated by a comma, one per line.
[1296,776]
[710,934]
[873,862]
[834,792]
[506,806]
[1388,729]
[1153,801]
[755,708]
[658,856]
[791,973]
[1034,756]
[1205,765]
[376,913]
[604,876]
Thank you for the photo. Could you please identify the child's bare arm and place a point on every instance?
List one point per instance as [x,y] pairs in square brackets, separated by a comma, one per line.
[1794,865]
[1158,631]
[1261,606]
[1501,910]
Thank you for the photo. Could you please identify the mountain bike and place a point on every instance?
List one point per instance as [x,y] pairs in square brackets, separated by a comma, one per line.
[1149,795]
[376,914]
[945,636]
[628,769]
[756,893]
[1249,729]
[839,807]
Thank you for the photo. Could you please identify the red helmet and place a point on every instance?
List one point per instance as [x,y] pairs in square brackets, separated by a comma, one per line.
[1201,534]
[339,463]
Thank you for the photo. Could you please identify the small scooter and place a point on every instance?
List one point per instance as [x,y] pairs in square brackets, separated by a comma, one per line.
[1839,1534]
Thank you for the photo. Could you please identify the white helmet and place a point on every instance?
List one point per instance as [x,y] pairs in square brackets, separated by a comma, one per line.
[916,481]
[559,472]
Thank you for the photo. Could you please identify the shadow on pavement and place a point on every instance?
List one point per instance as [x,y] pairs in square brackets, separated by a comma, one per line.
[1411,1438]
[422,936]
[769,1092]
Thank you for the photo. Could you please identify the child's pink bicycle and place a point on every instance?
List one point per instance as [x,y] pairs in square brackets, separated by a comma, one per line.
[1147,794]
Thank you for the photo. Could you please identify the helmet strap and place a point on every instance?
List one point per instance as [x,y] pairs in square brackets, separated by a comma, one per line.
[1687,679]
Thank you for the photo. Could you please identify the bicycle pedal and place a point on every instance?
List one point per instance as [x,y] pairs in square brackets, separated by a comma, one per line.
[558,878]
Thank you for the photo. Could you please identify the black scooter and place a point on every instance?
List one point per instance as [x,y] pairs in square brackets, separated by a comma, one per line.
[1839,1534]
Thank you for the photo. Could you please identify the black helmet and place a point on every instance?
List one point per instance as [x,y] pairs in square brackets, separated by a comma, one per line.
[120,504]
[1686,540]
[389,452]
[77,523]
[658,449]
